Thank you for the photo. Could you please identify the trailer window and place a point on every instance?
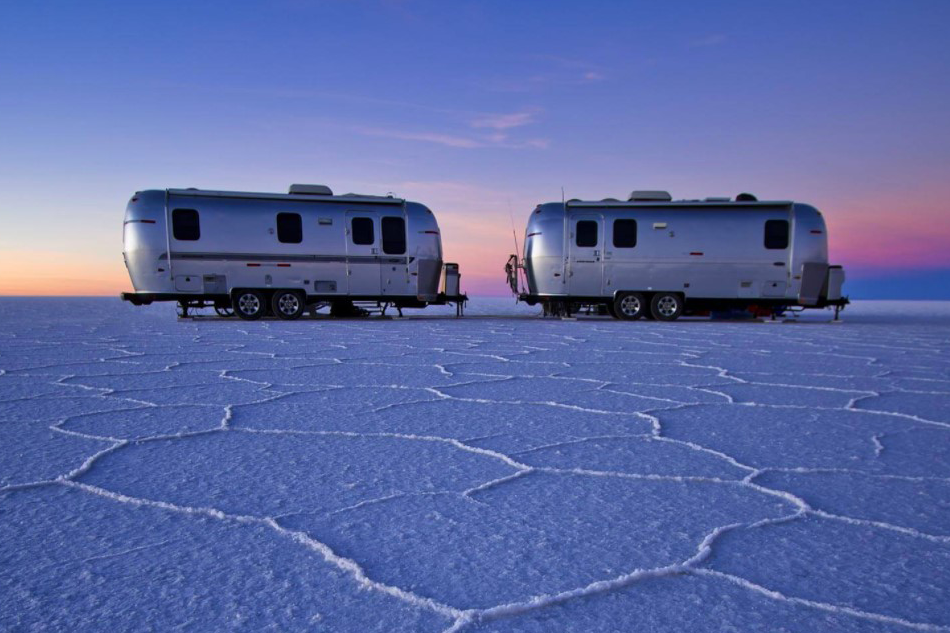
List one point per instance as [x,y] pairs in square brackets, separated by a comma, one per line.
[394,236]
[586,233]
[289,228]
[776,234]
[625,233]
[185,226]
[362,230]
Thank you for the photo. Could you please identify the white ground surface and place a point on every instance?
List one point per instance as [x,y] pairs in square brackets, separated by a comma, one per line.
[512,474]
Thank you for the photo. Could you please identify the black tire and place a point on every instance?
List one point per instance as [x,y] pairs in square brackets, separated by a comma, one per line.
[288,305]
[666,306]
[611,311]
[249,304]
[629,306]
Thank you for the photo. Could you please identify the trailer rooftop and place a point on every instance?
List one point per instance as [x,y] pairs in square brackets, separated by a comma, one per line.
[302,197]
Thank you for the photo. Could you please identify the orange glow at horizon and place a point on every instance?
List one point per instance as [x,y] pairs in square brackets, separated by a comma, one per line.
[51,273]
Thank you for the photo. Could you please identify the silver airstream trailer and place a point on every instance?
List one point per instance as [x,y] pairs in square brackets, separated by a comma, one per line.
[255,253]
[657,258]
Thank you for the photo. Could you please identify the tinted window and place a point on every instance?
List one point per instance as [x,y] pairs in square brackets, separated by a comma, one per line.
[625,233]
[776,234]
[289,228]
[394,236]
[185,225]
[586,233]
[362,230]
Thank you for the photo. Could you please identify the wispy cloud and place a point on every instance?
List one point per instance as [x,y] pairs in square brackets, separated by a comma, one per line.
[505,121]
[543,71]
[427,137]
[498,139]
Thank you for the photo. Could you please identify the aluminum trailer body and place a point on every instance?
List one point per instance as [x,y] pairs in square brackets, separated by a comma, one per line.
[195,246]
[714,254]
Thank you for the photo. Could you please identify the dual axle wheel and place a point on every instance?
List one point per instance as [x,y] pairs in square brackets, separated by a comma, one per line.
[665,306]
[251,305]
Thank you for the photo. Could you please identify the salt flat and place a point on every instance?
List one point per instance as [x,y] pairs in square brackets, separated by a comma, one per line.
[483,474]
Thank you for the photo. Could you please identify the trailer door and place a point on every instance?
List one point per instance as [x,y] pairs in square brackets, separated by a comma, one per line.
[362,253]
[394,267]
[586,263]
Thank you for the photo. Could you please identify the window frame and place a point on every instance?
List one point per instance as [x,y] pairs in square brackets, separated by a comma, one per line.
[353,232]
[636,230]
[297,231]
[182,233]
[402,243]
[769,237]
[577,233]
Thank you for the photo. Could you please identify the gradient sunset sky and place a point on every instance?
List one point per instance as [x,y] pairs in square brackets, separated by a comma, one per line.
[475,109]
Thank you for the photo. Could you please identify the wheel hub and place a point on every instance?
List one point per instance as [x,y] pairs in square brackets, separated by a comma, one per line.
[667,306]
[249,304]
[630,305]
[288,304]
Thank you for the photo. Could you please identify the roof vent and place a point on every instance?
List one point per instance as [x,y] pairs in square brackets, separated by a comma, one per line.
[746,197]
[310,190]
[650,196]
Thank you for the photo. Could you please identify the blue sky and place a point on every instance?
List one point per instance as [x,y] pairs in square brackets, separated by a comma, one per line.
[476,108]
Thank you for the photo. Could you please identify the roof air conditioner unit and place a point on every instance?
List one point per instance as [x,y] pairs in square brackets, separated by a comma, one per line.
[310,190]
[650,196]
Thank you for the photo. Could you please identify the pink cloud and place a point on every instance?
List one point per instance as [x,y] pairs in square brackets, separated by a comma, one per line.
[428,137]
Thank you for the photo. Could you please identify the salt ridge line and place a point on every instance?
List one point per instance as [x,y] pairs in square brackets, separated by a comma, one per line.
[823,606]
[344,564]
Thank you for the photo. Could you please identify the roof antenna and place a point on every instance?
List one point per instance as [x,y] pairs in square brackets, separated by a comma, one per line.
[514,233]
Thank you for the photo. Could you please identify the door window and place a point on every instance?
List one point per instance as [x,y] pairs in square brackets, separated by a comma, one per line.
[361,230]
[586,233]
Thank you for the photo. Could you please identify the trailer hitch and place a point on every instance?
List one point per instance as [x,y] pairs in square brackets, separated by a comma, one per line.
[511,273]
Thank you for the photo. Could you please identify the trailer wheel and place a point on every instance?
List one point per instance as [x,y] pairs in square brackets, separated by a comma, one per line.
[629,305]
[248,304]
[666,306]
[287,304]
